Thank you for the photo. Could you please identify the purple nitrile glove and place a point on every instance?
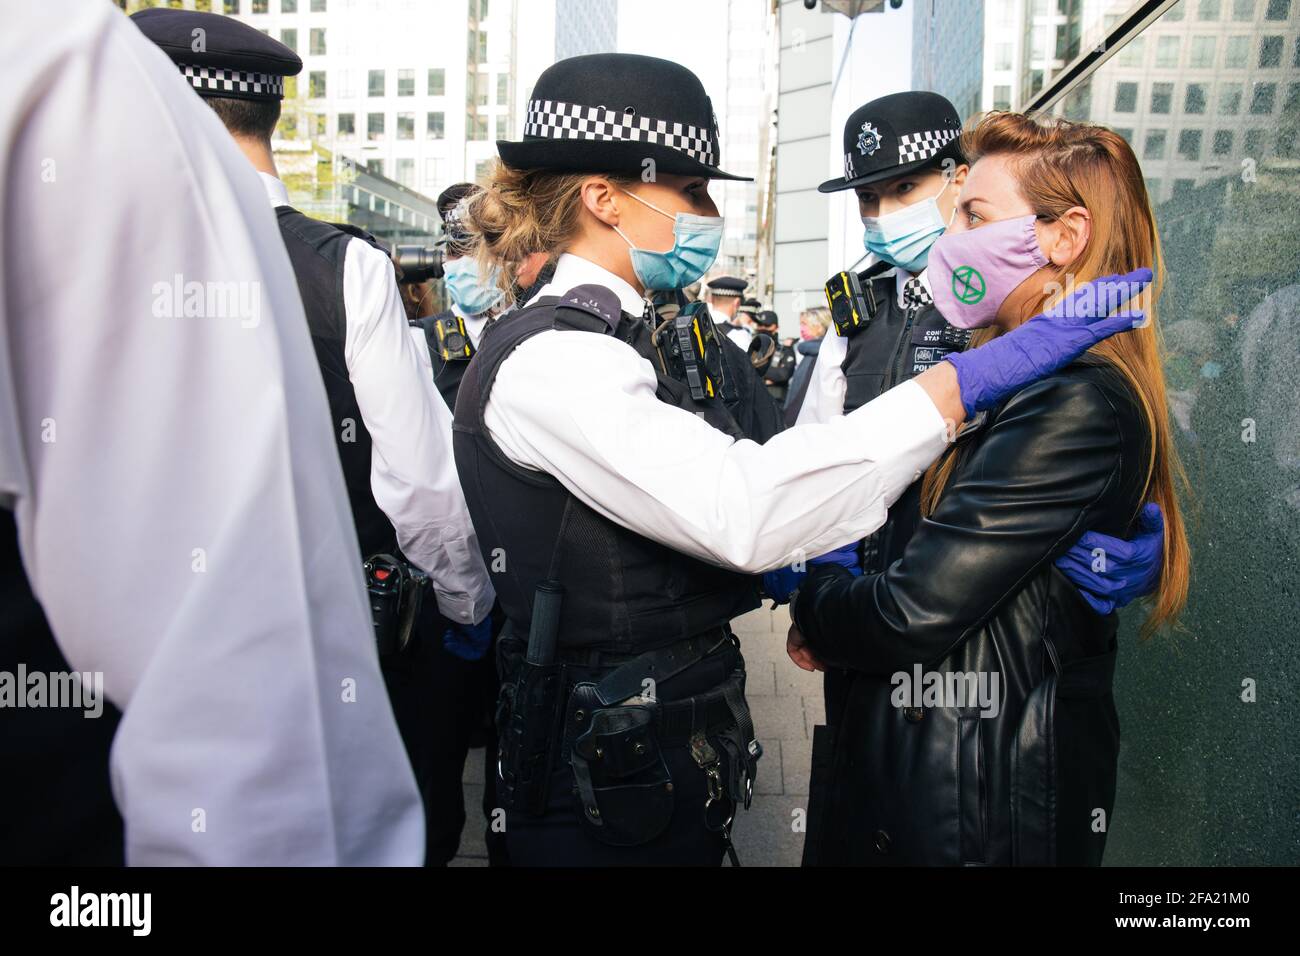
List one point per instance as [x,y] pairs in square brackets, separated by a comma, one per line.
[1046,343]
[781,583]
[845,557]
[1124,570]
[469,642]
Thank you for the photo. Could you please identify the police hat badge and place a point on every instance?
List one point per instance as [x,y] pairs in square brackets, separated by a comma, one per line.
[868,140]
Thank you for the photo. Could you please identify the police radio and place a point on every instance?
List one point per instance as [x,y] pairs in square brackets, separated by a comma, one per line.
[691,352]
[454,344]
[395,590]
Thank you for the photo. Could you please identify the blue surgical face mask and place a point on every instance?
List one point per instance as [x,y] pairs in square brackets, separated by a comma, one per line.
[696,241]
[469,294]
[904,237]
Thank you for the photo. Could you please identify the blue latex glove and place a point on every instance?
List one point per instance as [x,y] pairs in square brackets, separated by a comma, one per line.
[781,583]
[1125,570]
[998,369]
[469,642]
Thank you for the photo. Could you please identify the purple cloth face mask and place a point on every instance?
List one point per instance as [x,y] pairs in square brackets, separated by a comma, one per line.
[973,272]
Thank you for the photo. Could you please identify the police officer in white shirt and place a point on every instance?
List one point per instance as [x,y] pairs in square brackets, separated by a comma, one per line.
[178,523]
[630,510]
[724,296]
[392,429]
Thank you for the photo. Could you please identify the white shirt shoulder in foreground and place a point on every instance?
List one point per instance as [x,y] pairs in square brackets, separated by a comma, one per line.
[191,453]
[667,475]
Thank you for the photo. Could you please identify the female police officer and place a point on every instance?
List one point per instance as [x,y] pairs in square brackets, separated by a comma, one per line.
[619,509]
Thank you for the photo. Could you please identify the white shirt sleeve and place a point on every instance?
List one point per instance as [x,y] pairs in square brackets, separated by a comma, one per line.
[669,476]
[827,386]
[413,473]
[167,453]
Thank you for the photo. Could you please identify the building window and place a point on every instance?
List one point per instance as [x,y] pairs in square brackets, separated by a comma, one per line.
[482,169]
[1236,51]
[1162,96]
[406,172]
[317,6]
[1277,10]
[1194,102]
[1203,51]
[1286,143]
[1295,58]
[290,39]
[1243,10]
[437,81]
[347,125]
[406,126]
[1184,187]
[291,87]
[1126,95]
[1153,188]
[1222,142]
[503,89]
[1189,144]
[374,126]
[317,41]
[1124,133]
[1255,142]
[1208,10]
[1167,51]
[1131,54]
[435,125]
[288,6]
[1002,56]
[1292,105]
[261,6]
[501,128]
[1002,97]
[1230,99]
[376,82]
[375,166]
[1270,51]
[475,127]
[1261,98]
[1155,145]
[482,9]
[405,82]
[230,7]
[316,84]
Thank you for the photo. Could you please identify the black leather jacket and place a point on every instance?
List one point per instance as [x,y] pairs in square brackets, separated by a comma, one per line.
[976,592]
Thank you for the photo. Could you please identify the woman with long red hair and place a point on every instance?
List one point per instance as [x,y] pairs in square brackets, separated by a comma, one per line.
[980,726]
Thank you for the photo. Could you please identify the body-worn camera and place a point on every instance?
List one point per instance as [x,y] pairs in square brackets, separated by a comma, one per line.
[395,589]
[691,352]
[852,306]
[454,343]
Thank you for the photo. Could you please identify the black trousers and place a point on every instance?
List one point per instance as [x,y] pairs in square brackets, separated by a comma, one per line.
[560,838]
[443,705]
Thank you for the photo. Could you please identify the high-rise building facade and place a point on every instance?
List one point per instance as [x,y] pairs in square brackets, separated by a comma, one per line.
[585,26]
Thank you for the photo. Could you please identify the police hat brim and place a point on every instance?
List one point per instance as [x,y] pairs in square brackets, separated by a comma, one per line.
[950,151]
[604,156]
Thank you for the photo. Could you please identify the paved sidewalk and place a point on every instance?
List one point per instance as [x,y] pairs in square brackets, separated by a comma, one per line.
[786,704]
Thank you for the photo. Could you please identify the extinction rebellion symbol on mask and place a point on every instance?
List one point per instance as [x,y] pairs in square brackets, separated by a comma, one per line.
[967,285]
[868,140]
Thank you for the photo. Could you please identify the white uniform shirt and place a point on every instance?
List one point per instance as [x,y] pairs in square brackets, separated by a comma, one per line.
[824,399]
[180,506]
[738,334]
[412,470]
[582,408]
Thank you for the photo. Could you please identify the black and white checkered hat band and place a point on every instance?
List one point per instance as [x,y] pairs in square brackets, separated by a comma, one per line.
[211,79]
[914,146]
[554,120]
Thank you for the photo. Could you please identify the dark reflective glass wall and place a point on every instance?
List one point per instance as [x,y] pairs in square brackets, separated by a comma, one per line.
[1209,97]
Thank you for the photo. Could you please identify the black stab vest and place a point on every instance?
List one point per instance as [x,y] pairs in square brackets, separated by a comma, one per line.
[56,805]
[317,251]
[897,344]
[623,593]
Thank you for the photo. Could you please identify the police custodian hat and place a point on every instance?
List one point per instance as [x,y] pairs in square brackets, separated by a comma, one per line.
[220,56]
[610,112]
[894,135]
